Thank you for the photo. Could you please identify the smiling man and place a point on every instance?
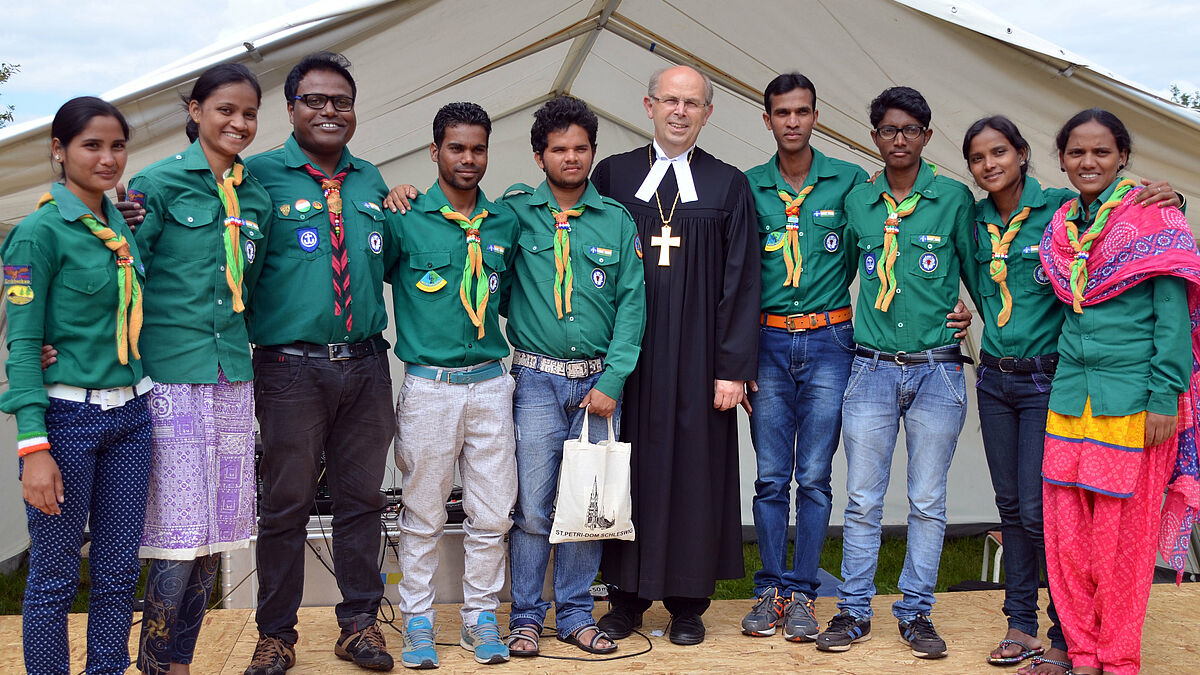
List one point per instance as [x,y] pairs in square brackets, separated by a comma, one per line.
[695,218]
[321,374]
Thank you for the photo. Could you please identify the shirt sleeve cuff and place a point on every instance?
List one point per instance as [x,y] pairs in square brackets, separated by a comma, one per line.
[610,384]
[32,444]
[1163,403]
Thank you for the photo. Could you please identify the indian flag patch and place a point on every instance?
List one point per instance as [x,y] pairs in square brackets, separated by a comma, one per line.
[496,248]
[930,239]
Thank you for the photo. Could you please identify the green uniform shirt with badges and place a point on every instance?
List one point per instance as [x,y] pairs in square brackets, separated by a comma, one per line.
[822,221]
[936,247]
[61,289]
[1035,323]
[1130,353]
[294,299]
[608,291]
[427,276]
[190,328]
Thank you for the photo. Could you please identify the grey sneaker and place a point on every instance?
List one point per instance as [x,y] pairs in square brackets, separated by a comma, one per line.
[844,630]
[766,614]
[800,622]
[484,640]
[918,633]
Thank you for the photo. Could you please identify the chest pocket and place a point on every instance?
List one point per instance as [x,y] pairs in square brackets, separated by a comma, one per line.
[188,233]
[427,276]
[251,243]
[602,262]
[827,227]
[538,252]
[870,250]
[304,238]
[930,253]
[86,280]
[493,267]
[372,225]
[1031,264]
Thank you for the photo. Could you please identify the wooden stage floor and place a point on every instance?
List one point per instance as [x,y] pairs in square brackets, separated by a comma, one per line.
[971,623]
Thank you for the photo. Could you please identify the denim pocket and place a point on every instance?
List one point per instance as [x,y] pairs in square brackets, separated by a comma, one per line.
[956,382]
[857,369]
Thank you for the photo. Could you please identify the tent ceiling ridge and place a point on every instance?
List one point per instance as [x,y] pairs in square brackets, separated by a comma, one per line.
[602,10]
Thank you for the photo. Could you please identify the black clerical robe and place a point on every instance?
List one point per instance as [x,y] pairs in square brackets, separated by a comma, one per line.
[702,323]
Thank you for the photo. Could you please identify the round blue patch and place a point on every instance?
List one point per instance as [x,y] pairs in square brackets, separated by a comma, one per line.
[869,262]
[928,262]
[250,251]
[598,277]
[1040,276]
[637,245]
[831,242]
[308,238]
[493,282]
[375,240]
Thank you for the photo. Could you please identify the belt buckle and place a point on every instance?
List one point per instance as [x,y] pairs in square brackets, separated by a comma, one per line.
[576,370]
[111,398]
[899,357]
[1000,364]
[337,347]
[788,322]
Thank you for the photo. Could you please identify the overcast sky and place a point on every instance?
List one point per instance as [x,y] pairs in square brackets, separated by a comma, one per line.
[68,48]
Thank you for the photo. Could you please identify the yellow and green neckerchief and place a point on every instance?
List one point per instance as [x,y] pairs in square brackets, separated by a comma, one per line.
[563,275]
[473,269]
[891,228]
[233,223]
[998,268]
[791,242]
[1083,244]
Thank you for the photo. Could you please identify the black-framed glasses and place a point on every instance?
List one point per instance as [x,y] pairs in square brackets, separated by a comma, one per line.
[318,101]
[671,102]
[911,131]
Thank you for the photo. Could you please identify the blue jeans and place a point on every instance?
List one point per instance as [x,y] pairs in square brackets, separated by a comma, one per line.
[1012,419]
[931,398]
[795,426]
[104,459]
[546,412]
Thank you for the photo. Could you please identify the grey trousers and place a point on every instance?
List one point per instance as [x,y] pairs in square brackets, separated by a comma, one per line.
[439,424]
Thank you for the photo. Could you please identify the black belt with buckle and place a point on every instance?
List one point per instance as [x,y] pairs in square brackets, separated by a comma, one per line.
[1044,363]
[951,354]
[338,351]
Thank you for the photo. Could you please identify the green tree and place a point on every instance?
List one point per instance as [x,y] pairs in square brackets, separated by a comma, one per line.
[1185,99]
[6,71]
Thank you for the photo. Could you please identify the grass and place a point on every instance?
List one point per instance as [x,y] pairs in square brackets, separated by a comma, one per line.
[960,561]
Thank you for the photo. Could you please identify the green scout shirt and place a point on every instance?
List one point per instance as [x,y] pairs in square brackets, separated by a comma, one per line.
[934,243]
[427,276]
[294,298]
[69,300]
[1130,353]
[191,330]
[608,293]
[1036,320]
[823,283]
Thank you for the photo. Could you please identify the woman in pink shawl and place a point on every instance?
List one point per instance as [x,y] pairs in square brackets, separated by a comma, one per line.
[1121,426]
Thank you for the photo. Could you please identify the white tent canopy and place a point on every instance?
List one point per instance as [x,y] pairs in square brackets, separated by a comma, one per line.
[412,56]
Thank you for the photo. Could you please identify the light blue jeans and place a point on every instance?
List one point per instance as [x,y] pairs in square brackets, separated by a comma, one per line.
[546,412]
[931,398]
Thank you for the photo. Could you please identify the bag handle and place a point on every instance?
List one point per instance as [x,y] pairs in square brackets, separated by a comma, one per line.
[583,433]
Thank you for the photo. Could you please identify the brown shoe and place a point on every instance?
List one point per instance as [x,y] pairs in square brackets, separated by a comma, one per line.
[366,648]
[272,656]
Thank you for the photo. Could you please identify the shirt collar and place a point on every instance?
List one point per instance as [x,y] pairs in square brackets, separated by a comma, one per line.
[195,160]
[295,158]
[924,183]
[1031,196]
[590,198]
[773,178]
[1094,207]
[434,199]
[70,208]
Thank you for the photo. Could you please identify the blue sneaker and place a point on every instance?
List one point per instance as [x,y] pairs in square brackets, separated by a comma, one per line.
[484,639]
[418,651]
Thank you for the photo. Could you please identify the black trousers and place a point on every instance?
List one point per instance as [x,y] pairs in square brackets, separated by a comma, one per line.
[305,406]
[676,605]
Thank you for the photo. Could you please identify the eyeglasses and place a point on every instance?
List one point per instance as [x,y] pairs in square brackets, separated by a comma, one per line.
[318,101]
[912,132]
[688,104]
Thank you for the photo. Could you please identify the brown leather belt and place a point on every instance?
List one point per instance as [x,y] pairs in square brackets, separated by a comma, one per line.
[795,323]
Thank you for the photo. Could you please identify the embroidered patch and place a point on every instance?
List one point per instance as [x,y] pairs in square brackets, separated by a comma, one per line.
[928,262]
[136,196]
[372,205]
[1031,249]
[308,238]
[637,245]
[1040,276]
[250,251]
[869,262]
[598,277]
[493,282]
[774,241]
[824,213]
[930,239]
[597,250]
[832,241]
[496,248]
[431,282]
[18,275]
[285,209]
[19,295]
[375,241]
[303,205]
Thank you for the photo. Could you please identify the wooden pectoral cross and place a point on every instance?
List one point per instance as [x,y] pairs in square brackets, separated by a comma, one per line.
[665,242]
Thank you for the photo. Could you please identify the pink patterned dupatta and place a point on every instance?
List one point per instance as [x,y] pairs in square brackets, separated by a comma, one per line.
[1136,244]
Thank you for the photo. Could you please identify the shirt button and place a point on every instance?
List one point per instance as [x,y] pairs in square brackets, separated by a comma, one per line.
[900,325]
[470,346]
[190,219]
[571,319]
[795,302]
[799,234]
[220,302]
[218,335]
[429,266]
[222,268]
[535,248]
[600,259]
[572,349]
[897,290]
[178,156]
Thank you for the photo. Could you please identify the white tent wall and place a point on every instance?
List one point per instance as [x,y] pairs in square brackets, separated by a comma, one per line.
[411,57]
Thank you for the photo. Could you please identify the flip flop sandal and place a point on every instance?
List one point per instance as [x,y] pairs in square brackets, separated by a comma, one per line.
[527,632]
[1026,653]
[1039,660]
[590,647]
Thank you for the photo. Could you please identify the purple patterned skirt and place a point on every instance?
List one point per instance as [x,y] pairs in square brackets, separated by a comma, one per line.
[202,487]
